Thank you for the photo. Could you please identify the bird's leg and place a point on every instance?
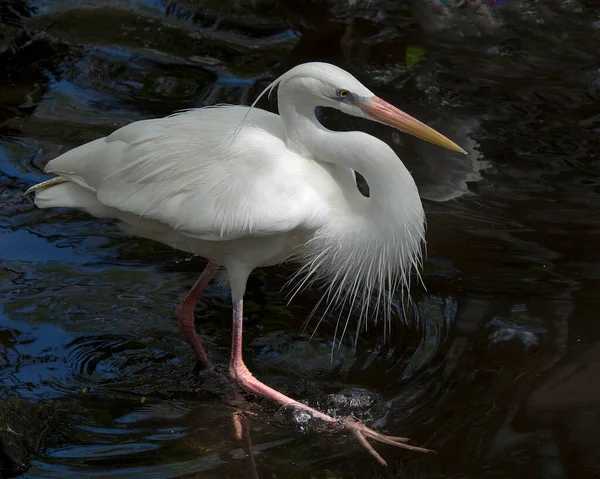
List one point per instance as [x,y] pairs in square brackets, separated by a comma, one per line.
[240,373]
[185,314]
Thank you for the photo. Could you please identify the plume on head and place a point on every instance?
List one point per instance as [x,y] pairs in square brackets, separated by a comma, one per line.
[324,72]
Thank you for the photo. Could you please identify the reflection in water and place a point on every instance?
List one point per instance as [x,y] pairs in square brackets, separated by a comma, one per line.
[494,370]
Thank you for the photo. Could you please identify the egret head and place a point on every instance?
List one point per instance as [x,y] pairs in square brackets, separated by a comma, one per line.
[323,84]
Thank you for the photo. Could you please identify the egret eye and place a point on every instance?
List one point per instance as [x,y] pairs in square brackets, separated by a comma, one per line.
[343,93]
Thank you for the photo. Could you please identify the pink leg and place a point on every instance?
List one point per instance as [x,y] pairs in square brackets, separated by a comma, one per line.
[239,372]
[185,314]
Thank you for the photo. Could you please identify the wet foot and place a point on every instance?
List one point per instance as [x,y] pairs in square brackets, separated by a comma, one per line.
[363,434]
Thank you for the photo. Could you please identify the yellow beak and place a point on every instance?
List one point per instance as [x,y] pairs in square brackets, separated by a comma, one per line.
[380,110]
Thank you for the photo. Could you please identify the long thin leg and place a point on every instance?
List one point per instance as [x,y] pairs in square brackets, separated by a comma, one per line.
[185,314]
[240,373]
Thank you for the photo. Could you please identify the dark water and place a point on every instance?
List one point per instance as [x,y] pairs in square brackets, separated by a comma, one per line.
[499,370]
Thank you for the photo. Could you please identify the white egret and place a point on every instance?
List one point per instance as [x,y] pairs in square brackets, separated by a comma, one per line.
[245,188]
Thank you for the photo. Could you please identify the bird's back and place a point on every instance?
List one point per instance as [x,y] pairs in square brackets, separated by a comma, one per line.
[202,173]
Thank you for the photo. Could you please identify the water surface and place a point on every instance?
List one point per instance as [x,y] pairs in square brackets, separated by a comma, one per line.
[496,371]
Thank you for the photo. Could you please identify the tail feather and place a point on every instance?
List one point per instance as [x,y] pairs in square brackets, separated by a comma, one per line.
[45,184]
[61,193]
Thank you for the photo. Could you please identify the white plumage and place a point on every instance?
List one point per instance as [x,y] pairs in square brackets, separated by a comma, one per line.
[246,188]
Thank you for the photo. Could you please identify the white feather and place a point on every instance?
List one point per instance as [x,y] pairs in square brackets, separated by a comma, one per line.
[283,188]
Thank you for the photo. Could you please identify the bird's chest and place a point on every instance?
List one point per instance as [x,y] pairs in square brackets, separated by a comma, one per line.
[259,252]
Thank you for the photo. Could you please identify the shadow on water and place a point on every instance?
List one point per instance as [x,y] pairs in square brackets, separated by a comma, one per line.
[494,371]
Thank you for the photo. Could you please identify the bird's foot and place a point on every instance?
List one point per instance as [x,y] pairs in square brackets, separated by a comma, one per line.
[201,367]
[362,433]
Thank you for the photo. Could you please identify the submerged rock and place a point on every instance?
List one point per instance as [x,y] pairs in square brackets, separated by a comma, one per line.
[22,426]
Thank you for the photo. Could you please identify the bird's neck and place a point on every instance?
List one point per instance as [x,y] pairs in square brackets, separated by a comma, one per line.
[393,195]
[391,186]
[369,245]
[300,124]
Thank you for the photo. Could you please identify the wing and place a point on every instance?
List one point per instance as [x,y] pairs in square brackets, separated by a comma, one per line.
[187,172]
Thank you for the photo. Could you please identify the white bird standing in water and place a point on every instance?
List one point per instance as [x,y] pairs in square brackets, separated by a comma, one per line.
[245,188]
